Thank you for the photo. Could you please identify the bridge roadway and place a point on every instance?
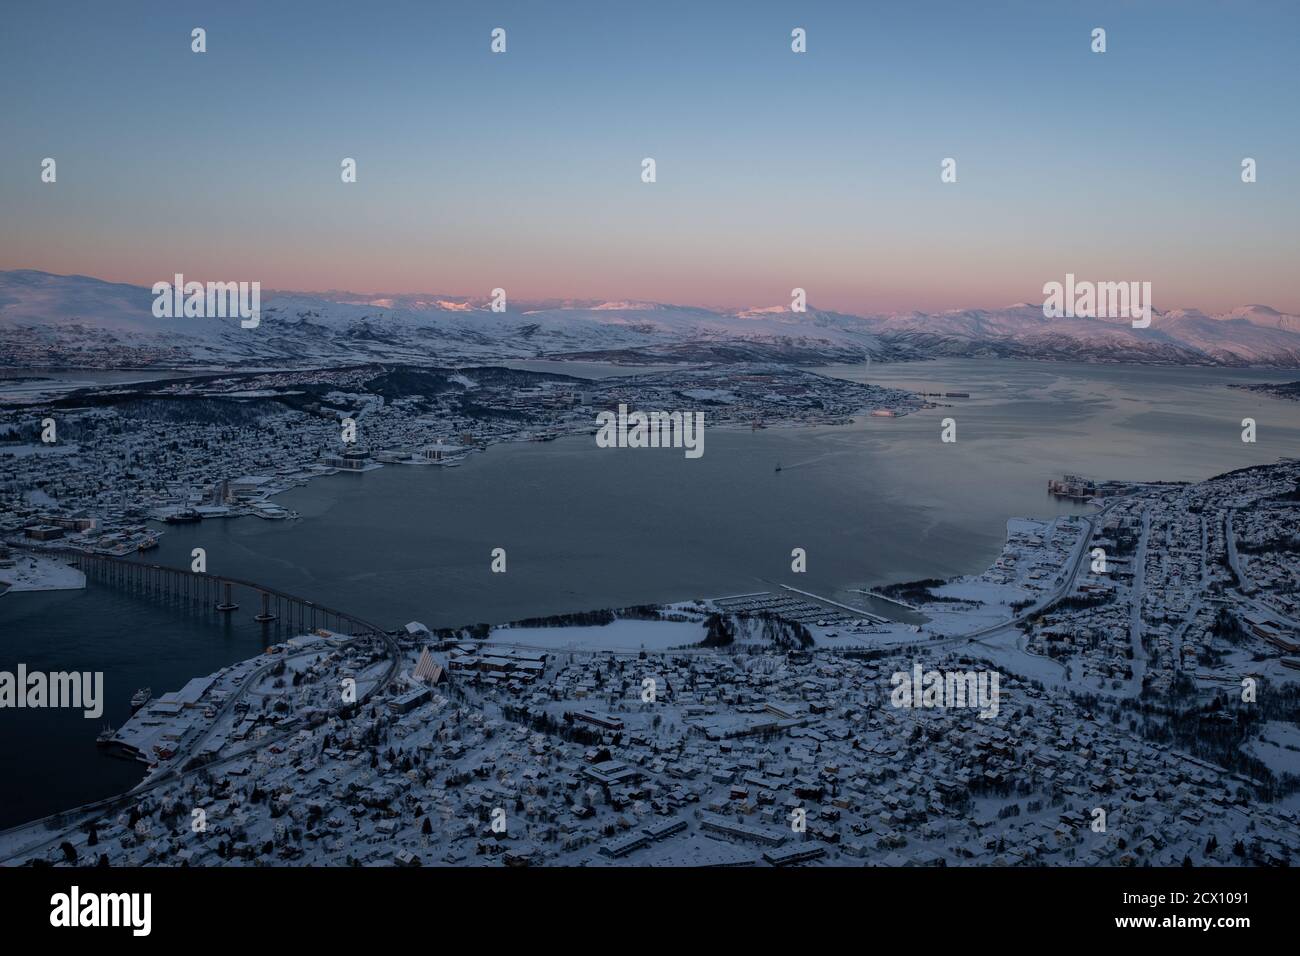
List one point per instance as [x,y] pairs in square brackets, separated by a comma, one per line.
[200,586]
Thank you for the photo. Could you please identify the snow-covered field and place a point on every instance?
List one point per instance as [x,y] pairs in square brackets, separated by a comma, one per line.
[1278,747]
[621,635]
[31,573]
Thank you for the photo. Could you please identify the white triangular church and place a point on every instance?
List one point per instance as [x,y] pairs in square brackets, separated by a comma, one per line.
[427,670]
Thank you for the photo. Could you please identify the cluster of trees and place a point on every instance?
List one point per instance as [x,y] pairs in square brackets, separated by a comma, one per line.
[547,724]
[478,632]
[915,592]
[721,630]
[1228,627]
[638,612]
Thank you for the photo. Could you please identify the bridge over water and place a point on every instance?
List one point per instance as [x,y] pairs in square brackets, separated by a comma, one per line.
[199,589]
[216,592]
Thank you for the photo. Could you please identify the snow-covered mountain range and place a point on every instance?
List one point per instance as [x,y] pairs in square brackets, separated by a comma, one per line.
[52,320]
[1246,335]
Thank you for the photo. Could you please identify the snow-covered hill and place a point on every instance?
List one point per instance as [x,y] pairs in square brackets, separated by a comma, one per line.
[76,320]
[53,320]
[1247,335]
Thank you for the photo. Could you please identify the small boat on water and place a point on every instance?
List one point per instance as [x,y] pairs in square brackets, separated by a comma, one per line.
[778,466]
[140,698]
[105,736]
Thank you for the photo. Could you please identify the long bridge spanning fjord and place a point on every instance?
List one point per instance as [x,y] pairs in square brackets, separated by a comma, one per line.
[216,592]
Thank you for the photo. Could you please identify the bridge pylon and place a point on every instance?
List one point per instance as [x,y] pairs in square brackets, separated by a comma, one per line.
[227,603]
[266,616]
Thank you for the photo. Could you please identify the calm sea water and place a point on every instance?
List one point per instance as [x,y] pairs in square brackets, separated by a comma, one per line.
[48,758]
[878,501]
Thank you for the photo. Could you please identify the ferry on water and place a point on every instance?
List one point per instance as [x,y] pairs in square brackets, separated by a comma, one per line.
[140,698]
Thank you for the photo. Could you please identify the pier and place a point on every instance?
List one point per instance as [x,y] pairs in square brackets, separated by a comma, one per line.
[884,597]
[873,618]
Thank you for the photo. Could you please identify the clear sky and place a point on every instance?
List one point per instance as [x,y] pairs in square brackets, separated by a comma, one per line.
[775,169]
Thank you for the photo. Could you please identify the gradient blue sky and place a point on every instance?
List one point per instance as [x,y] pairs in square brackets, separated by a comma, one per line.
[775,170]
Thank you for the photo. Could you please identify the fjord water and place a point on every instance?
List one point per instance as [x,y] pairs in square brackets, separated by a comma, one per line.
[877,501]
[48,758]
[874,502]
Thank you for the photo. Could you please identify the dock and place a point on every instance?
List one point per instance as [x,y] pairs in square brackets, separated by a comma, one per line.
[873,618]
[882,597]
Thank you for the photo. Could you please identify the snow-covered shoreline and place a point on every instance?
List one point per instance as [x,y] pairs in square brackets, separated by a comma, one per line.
[32,572]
